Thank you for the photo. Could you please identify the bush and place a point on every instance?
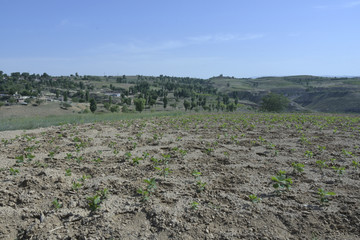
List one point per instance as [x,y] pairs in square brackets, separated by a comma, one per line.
[65,105]
[114,108]
[125,109]
[1,104]
[274,103]
[107,105]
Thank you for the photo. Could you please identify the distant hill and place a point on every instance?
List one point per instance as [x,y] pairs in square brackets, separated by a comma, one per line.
[223,93]
[312,93]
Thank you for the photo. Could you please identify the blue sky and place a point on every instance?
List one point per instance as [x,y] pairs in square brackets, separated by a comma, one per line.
[198,38]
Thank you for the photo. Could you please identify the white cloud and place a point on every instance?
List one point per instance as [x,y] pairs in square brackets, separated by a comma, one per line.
[64,22]
[225,37]
[352,4]
[67,23]
[294,34]
[339,6]
[146,47]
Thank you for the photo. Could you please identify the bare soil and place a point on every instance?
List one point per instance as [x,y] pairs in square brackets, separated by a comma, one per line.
[235,156]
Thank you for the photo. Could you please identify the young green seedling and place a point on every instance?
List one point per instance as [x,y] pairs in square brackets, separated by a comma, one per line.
[145,155]
[95,201]
[164,171]
[115,151]
[155,161]
[5,142]
[261,139]
[76,186]
[151,184]
[19,159]
[194,205]
[56,204]
[69,156]
[13,171]
[30,157]
[201,186]
[166,158]
[136,160]
[128,155]
[182,152]
[84,177]
[196,174]
[308,154]
[134,145]
[97,160]
[321,148]
[281,181]
[347,153]
[79,159]
[297,167]
[339,170]
[144,193]
[68,172]
[103,193]
[324,196]
[355,164]
[253,198]
[138,135]
[321,164]
[208,151]
[51,154]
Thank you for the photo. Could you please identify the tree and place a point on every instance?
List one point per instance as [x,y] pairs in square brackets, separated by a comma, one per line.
[139,104]
[186,105]
[65,96]
[193,104]
[274,102]
[226,99]
[165,100]
[87,96]
[93,106]
[231,107]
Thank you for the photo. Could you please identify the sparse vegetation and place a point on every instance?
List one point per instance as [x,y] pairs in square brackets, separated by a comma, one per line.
[193,172]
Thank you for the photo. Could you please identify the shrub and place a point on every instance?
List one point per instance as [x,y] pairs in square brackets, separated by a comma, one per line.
[125,109]
[274,103]
[114,108]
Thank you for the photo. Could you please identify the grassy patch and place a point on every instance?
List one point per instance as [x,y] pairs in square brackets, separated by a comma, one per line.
[15,123]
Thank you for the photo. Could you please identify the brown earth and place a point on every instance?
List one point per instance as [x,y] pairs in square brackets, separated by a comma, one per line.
[236,154]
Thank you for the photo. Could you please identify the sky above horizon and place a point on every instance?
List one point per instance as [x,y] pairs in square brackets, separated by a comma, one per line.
[199,38]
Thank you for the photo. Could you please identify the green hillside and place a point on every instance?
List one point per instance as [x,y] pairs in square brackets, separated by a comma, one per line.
[168,93]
